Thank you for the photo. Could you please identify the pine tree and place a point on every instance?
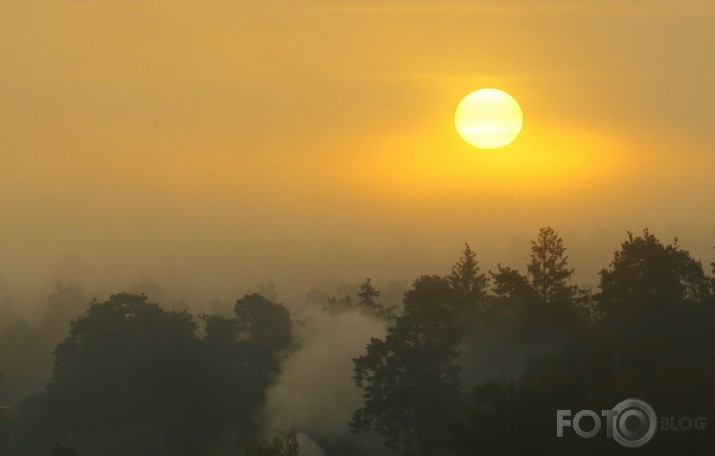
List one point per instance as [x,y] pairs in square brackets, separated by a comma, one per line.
[549,269]
[410,379]
[368,294]
[465,274]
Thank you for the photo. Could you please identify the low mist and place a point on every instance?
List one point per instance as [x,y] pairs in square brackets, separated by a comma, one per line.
[315,389]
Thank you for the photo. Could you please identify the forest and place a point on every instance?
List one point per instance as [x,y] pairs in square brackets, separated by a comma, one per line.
[468,361]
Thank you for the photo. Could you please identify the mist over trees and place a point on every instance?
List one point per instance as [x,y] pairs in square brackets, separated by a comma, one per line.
[475,361]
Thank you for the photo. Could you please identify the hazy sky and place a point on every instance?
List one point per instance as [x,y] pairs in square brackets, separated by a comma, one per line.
[211,145]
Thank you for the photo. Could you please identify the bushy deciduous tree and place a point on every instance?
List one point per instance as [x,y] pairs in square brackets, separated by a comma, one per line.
[132,378]
[242,355]
[125,362]
[651,289]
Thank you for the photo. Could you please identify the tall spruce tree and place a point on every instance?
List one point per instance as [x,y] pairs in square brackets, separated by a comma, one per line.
[548,269]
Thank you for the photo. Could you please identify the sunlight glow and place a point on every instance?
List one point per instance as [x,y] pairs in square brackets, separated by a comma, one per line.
[488,119]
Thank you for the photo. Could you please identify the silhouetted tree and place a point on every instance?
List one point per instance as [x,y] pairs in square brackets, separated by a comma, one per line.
[368,295]
[242,356]
[132,378]
[265,332]
[499,421]
[548,269]
[128,363]
[561,317]
[654,342]
[469,300]
[410,379]
[263,322]
[650,289]
[540,312]
[465,276]
[510,283]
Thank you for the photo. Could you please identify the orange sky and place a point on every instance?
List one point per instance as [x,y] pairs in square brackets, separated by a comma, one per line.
[213,145]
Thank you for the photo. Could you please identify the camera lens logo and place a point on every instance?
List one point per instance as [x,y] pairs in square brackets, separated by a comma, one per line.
[634,423]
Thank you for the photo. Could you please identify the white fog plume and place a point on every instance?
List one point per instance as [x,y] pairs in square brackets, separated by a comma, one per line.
[308,447]
[315,390]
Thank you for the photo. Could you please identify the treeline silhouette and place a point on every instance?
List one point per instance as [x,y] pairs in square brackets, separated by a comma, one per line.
[472,363]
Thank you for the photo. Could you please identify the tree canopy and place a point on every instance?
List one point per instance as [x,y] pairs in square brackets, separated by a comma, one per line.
[462,369]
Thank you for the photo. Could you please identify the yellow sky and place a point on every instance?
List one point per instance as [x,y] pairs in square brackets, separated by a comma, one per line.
[223,143]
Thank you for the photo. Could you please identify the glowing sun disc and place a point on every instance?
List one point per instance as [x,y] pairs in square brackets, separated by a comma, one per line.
[488,118]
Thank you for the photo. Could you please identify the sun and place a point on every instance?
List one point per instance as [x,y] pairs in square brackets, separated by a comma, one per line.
[488,119]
